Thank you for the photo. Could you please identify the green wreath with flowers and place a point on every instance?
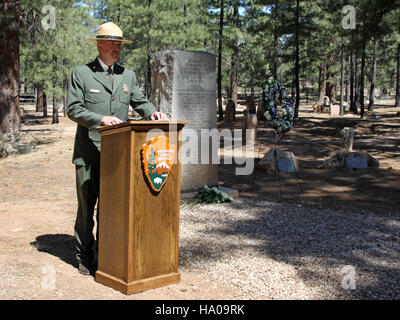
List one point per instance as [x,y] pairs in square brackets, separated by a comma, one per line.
[279,107]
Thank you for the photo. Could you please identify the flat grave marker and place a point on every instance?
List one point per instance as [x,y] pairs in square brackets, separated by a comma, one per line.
[286,165]
[356,163]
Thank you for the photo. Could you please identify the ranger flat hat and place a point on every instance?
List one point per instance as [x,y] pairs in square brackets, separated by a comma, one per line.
[109,31]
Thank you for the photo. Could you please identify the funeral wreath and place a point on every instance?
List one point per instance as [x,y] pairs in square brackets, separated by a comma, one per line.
[279,107]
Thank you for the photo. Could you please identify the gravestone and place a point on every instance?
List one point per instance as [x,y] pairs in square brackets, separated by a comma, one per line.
[184,88]
[348,135]
[327,105]
[356,163]
[278,160]
[354,160]
[335,110]
[327,101]
[346,106]
[286,165]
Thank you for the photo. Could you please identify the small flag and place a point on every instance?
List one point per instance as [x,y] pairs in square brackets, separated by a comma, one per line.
[278,136]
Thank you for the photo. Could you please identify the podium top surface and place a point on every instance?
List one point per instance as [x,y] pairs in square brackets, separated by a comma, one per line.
[142,125]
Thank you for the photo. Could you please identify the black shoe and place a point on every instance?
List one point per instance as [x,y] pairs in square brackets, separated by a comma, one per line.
[83,269]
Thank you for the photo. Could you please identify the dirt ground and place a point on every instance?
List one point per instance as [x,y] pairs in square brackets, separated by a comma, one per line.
[38,202]
[315,138]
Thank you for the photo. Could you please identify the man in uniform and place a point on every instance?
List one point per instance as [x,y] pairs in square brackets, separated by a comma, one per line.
[99,94]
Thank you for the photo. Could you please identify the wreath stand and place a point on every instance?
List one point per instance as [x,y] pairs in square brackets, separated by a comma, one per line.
[275,96]
[277,138]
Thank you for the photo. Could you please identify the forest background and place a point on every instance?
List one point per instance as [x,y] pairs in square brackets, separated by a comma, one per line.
[346,50]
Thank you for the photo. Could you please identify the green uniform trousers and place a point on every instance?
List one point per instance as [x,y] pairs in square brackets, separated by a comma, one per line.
[87,188]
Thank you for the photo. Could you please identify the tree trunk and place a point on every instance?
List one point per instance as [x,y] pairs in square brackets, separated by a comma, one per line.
[356,85]
[342,79]
[234,59]
[352,101]
[185,24]
[347,77]
[275,56]
[55,102]
[219,76]
[321,83]
[397,103]
[362,76]
[149,43]
[296,63]
[39,98]
[330,90]
[373,78]
[10,115]
[65,89]
[44,105]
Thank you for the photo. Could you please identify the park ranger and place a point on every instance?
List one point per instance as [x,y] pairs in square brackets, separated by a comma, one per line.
[99,94]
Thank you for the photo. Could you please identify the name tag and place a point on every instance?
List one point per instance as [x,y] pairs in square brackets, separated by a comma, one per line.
[94,90]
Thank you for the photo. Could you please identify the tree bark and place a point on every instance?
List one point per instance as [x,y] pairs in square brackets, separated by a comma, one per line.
[342,79]
[362,76]
[397,103]
[55,102]
[352,101]
[330,90]
[321,83]
[10,114]
[275,55]
[219,76]
[356,85]
[65,89]
[39,98]
[234,59]
[44,105]
[297,64]
[149,44]
[373,78]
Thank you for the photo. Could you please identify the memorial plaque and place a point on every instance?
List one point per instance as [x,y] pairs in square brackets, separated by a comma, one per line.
[356,163]
[286,165]
[184,88]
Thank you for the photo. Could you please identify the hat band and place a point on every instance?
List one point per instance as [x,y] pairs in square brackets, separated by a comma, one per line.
[109,37]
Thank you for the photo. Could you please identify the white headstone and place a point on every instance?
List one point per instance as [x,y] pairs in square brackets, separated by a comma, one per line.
[335,110]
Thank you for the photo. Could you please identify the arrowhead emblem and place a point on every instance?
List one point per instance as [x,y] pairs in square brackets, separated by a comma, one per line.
[157,158]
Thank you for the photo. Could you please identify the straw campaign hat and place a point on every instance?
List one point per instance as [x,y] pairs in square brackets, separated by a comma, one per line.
[109,31]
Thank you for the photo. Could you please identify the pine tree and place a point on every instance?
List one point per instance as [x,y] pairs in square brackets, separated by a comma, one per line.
[9,67]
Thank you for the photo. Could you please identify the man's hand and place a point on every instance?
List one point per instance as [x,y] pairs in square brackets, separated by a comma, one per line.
[110,121]
[159,116]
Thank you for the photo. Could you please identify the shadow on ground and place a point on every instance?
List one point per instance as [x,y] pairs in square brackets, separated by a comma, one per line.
[58,245]
[319,244]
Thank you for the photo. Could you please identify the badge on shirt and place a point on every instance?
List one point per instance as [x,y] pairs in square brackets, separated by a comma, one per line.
[94,90]
[125,88]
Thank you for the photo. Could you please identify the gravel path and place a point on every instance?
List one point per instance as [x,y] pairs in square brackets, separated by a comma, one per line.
[267,250]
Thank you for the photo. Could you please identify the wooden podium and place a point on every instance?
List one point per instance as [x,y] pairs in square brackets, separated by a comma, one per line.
[138,228]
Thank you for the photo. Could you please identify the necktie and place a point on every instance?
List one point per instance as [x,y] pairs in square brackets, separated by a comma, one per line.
[110,76]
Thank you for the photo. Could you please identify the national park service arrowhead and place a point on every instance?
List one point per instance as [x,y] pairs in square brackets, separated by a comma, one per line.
[158,158]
